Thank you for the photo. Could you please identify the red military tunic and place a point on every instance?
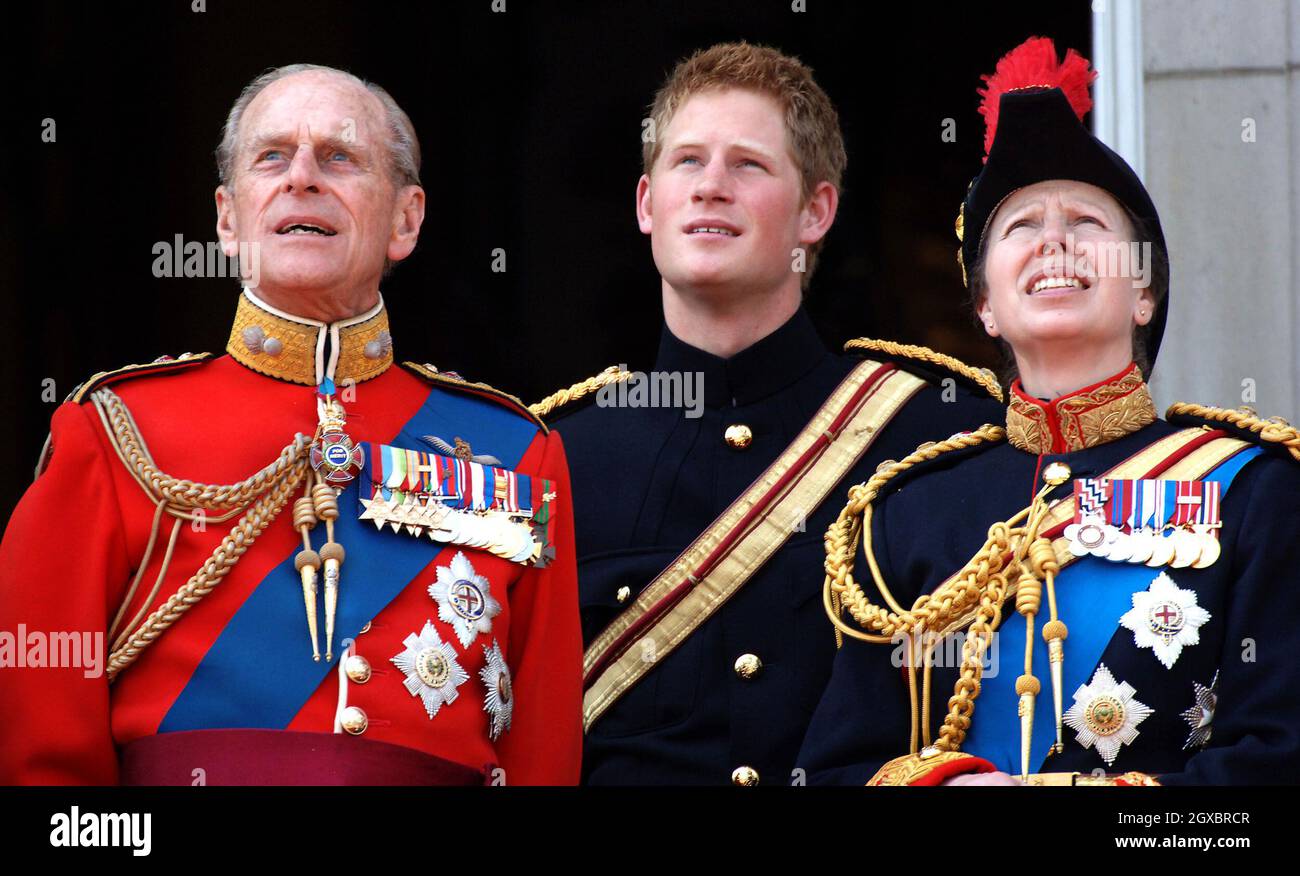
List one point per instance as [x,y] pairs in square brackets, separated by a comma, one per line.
[240,657]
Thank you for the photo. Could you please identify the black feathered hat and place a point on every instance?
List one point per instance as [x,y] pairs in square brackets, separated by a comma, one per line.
[1033,107]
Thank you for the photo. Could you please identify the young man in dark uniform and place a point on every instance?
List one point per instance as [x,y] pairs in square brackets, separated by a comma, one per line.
[702,490]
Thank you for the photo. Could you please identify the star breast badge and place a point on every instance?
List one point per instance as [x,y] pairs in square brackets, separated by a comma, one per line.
[431,670]
[499,701]
[1105,714]
[1164,618]
[1201,715]
[464,599]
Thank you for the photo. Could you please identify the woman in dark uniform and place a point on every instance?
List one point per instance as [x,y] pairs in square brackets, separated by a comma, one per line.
[1086,593]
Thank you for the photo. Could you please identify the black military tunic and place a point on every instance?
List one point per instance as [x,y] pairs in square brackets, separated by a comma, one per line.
[648,480]
[930,521]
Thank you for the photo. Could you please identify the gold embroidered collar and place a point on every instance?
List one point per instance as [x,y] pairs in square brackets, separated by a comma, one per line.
[1093,415]
[306,351]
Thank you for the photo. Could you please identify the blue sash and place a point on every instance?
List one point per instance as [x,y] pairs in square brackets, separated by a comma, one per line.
[259,671]
[1092,593]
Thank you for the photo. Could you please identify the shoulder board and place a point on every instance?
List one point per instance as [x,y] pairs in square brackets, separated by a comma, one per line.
[451,380]
[980,379]
[581,389]
[161,365]
[1272,433]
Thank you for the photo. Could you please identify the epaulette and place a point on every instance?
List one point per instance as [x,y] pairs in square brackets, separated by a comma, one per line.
[452,380]
[161,365]
[1273,433]
[927,360]
[581,389]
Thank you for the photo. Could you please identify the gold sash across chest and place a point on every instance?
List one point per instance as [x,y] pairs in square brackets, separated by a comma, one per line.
[737,544]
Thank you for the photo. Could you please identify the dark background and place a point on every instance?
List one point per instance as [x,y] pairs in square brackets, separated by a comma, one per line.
[530,126]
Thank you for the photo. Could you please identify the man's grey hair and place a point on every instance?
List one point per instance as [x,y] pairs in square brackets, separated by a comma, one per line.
[403,145]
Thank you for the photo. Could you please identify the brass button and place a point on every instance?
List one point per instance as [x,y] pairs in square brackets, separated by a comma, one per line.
[1056,473]
[354,720]
[357,669]
[364,629]
[624,593]
[748,665]
[738,436]
[745,776]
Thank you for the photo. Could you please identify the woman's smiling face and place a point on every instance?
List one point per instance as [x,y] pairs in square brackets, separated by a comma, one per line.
[1061,265]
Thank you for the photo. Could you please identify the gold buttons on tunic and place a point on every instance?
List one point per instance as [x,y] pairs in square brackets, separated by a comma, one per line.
[357,669]
[748,665]
[745,776]
[1056,473]
[624,593]
[354,720]
[738,436]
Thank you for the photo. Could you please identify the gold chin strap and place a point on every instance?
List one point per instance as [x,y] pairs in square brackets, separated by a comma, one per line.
[1015,559]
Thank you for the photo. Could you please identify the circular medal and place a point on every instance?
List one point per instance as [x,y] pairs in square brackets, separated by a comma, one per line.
[1142,543]
[1210,550]
[1187,548]
[1121,549]
[1162,551]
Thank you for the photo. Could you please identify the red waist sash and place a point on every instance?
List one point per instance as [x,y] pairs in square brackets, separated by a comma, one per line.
[283,757]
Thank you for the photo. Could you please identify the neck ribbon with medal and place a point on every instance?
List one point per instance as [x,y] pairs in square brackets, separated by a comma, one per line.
[335,459]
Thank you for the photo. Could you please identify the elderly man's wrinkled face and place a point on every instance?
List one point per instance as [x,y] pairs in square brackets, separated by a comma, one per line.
[312,189]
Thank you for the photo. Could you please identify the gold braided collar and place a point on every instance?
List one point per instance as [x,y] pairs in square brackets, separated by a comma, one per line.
[1093,415]
[292,348]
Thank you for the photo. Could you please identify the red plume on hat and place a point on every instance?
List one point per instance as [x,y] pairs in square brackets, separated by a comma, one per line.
[1033,64]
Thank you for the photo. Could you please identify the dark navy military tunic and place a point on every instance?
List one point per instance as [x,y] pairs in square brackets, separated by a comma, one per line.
[930,521]
[647,481]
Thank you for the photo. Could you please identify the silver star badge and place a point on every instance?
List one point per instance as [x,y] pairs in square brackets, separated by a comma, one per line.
[1164,619]
[464,599]
[1106,715]
[499,702]
[431,670]
[1201,715]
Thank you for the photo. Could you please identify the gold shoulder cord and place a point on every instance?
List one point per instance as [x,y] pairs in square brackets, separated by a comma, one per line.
[1014,560]
[982,376]
[1274,430]
[267,491]
[612,374]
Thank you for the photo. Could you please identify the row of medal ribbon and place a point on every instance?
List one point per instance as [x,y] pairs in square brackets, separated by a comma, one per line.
[1153,522]
[457,483]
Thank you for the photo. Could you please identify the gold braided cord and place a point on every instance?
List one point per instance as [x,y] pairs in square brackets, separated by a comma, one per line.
[210,574]
[982,376]
[180,492]
[267,491]
[1013,550]
[612,374]
[1274,430]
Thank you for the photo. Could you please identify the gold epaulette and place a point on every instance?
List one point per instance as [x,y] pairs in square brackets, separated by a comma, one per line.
[483,390]
[1244,422]
[980,377]
[612,374]
[161,365]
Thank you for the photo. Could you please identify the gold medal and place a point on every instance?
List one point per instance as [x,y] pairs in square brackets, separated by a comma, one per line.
[1210,548]
[1187,548]
[1162,551]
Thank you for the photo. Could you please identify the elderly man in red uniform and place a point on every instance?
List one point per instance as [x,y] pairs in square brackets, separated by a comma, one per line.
[305,565]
